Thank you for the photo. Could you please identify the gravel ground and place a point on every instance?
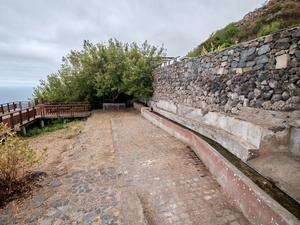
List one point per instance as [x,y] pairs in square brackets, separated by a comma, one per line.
[117,150]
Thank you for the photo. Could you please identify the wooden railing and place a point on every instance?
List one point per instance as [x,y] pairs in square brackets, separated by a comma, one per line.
[64,109]
[13,106]
[19,117]
[50,110]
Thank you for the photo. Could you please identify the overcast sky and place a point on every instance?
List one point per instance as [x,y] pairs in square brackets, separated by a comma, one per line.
[36,34]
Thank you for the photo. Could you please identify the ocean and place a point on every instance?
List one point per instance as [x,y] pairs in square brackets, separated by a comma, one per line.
[15,94]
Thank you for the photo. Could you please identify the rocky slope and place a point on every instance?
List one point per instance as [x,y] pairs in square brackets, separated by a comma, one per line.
[272,16]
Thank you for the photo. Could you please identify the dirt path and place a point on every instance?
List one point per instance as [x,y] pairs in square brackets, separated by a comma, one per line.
[119,165]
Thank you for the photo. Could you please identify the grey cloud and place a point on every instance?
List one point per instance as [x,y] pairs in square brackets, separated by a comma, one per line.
[36,34]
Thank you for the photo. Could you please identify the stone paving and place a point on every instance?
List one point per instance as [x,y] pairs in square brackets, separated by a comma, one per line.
[173,185]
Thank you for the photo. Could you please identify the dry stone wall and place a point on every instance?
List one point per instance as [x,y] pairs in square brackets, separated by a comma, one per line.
[263,73]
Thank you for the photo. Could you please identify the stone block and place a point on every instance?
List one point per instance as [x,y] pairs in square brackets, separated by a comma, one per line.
[282,46]
[244,55]
[251,51]
[276,97]
[247,69]
[293,49]
[224,64]
[250,63]
[268,38]
[239,70]
[242,64]
[281,61]
[220,71]
[285,95]
[234,64]
[254,43]
[264,49]
[230,52]
[280,53]
[246,102]
[284,34]
[262,59]
[297,54]
[224,58]
[258,67]
[273,84]
[295,141]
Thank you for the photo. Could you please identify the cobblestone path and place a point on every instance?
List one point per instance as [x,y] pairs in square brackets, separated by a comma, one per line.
[120,150]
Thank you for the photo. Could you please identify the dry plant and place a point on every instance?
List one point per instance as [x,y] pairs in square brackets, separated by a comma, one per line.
[17,159]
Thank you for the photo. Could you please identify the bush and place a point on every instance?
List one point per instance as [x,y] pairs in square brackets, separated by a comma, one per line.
[220,39]
[16,158]
[269,29]
[34,132]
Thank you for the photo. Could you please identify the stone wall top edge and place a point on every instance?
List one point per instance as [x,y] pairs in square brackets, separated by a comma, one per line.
[242,46]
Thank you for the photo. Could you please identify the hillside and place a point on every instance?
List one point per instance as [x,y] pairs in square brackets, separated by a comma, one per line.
[272,16]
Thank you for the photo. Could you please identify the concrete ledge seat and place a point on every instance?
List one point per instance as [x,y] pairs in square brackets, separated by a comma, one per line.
[256,205]
[258,133]
[236,146]
[108,106]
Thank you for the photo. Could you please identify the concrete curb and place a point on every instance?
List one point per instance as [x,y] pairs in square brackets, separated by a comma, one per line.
[256,205]
[131,210]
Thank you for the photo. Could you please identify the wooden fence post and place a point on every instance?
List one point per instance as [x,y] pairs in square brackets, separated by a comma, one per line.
[34,112]
[12,120]
[2,109]
[72,111]
[21,119]
[8,107]
[27,110]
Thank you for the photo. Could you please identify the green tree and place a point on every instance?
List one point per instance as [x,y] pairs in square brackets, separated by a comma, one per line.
[103,70]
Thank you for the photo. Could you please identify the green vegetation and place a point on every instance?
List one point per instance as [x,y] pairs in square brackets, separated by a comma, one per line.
[16,158]
[55,125]
[277,16]
[270,28]
[217,40]
[102,71]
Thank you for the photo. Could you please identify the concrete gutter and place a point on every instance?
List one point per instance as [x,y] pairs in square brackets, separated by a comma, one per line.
[131,210]
[240,148]
[256,205]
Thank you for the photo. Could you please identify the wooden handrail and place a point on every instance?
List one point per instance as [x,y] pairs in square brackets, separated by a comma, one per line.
[20,117]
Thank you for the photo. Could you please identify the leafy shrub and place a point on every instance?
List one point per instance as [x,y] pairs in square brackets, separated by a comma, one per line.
[16,158]
[34,132]
[268,29]
[220,39]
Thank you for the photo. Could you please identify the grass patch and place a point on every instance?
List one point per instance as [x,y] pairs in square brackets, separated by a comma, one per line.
[269,29]
[52,126]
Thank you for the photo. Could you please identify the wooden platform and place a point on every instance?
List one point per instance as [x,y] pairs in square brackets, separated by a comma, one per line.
[18,118]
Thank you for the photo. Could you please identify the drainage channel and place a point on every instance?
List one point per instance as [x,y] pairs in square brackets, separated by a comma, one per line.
[266,185]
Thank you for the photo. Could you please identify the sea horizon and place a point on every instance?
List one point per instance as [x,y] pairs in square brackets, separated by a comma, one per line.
[15,94]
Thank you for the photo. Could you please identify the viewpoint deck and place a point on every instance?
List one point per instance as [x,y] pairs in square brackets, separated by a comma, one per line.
[15,117]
